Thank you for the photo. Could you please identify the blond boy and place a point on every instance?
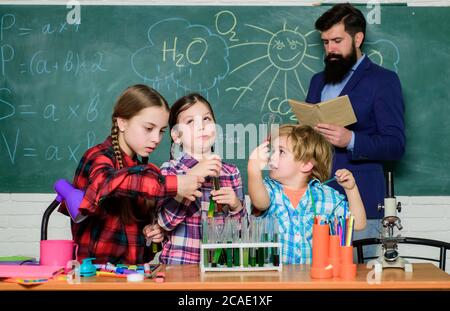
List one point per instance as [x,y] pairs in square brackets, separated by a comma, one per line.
[293,192]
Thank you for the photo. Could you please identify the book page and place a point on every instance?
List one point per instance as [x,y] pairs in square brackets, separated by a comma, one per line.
[305,113]
[337,111]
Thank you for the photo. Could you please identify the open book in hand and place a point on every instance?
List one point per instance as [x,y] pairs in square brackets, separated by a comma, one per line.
[337,111]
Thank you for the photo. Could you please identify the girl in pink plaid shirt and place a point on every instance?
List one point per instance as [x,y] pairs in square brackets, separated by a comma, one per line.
[193,132]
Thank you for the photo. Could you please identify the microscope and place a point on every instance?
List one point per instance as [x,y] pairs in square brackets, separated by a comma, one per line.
[390,257]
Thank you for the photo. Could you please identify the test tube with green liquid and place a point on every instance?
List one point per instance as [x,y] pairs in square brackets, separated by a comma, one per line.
[215,238]
[228,238]
[154,220]
[245,239]
[276,239]
[221,238]
[214,207]
[253,234]
[206,252]
[267,237]
[211,208]
[216,183]
[260,237]
[236,239]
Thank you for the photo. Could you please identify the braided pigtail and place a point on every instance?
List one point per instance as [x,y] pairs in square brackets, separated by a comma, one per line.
[129,104]
[115,142]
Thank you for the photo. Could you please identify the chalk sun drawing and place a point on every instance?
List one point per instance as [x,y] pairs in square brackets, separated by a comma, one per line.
[288,58]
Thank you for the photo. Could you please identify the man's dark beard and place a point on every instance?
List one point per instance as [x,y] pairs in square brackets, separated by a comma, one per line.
[337,69]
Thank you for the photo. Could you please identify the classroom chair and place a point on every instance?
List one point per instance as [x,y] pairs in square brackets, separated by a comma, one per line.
[443,247]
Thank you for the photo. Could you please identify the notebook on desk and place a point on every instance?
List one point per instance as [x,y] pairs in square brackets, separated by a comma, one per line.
[29,271]
[17,260]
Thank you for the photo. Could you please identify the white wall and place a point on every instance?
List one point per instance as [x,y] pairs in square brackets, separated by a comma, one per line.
[21,214]
[20,223]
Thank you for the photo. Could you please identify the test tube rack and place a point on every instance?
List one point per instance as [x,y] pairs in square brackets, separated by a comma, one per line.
[241,247]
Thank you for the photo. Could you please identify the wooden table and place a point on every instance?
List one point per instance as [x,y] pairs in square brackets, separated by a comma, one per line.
[293,277]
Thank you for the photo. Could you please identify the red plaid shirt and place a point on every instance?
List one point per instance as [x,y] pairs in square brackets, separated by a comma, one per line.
[103,235]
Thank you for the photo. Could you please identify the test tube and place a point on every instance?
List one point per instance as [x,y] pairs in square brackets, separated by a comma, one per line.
[206,259]
[228,238]
[273,221]
[268,260]
[153,221]
[211,208]
[276,239]
[260,253]
[236,239]
[216,183]
[245,239]
[253,234]
[219,254]
[212,239]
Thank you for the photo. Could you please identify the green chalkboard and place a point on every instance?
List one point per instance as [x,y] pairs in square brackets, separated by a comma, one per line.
[58,81]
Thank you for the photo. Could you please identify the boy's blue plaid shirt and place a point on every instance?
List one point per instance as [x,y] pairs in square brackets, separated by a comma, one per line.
[295,223]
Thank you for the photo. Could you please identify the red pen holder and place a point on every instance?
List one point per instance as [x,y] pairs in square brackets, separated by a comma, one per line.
[321,268]
[333,255]
[347,270]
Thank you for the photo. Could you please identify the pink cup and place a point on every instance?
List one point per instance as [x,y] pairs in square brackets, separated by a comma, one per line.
[57,252]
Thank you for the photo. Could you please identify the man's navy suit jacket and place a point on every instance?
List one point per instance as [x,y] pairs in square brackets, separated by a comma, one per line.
[376,97]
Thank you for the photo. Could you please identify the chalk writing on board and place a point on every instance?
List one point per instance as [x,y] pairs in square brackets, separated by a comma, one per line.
[6,108]
[190,56]
[6,55]
[50,112]
[239,88]
[8,22]
[286,56]
[16,146]
[279,106]
[38,64]
[49,29]
[225,22]
[73,62]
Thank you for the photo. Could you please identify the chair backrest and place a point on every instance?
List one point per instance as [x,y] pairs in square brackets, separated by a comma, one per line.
[443,247]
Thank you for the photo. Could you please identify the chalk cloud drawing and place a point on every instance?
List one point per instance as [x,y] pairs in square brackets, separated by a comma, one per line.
[190,56]
[384,53]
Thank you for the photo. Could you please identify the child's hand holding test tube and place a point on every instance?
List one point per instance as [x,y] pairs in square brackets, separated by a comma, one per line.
[153,234]
[226,197]
[207,167]
[260,156]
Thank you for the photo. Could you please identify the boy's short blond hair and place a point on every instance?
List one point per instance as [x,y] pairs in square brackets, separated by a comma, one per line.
[308,145]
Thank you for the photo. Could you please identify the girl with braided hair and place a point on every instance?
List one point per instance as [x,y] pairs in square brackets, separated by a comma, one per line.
[121,190]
